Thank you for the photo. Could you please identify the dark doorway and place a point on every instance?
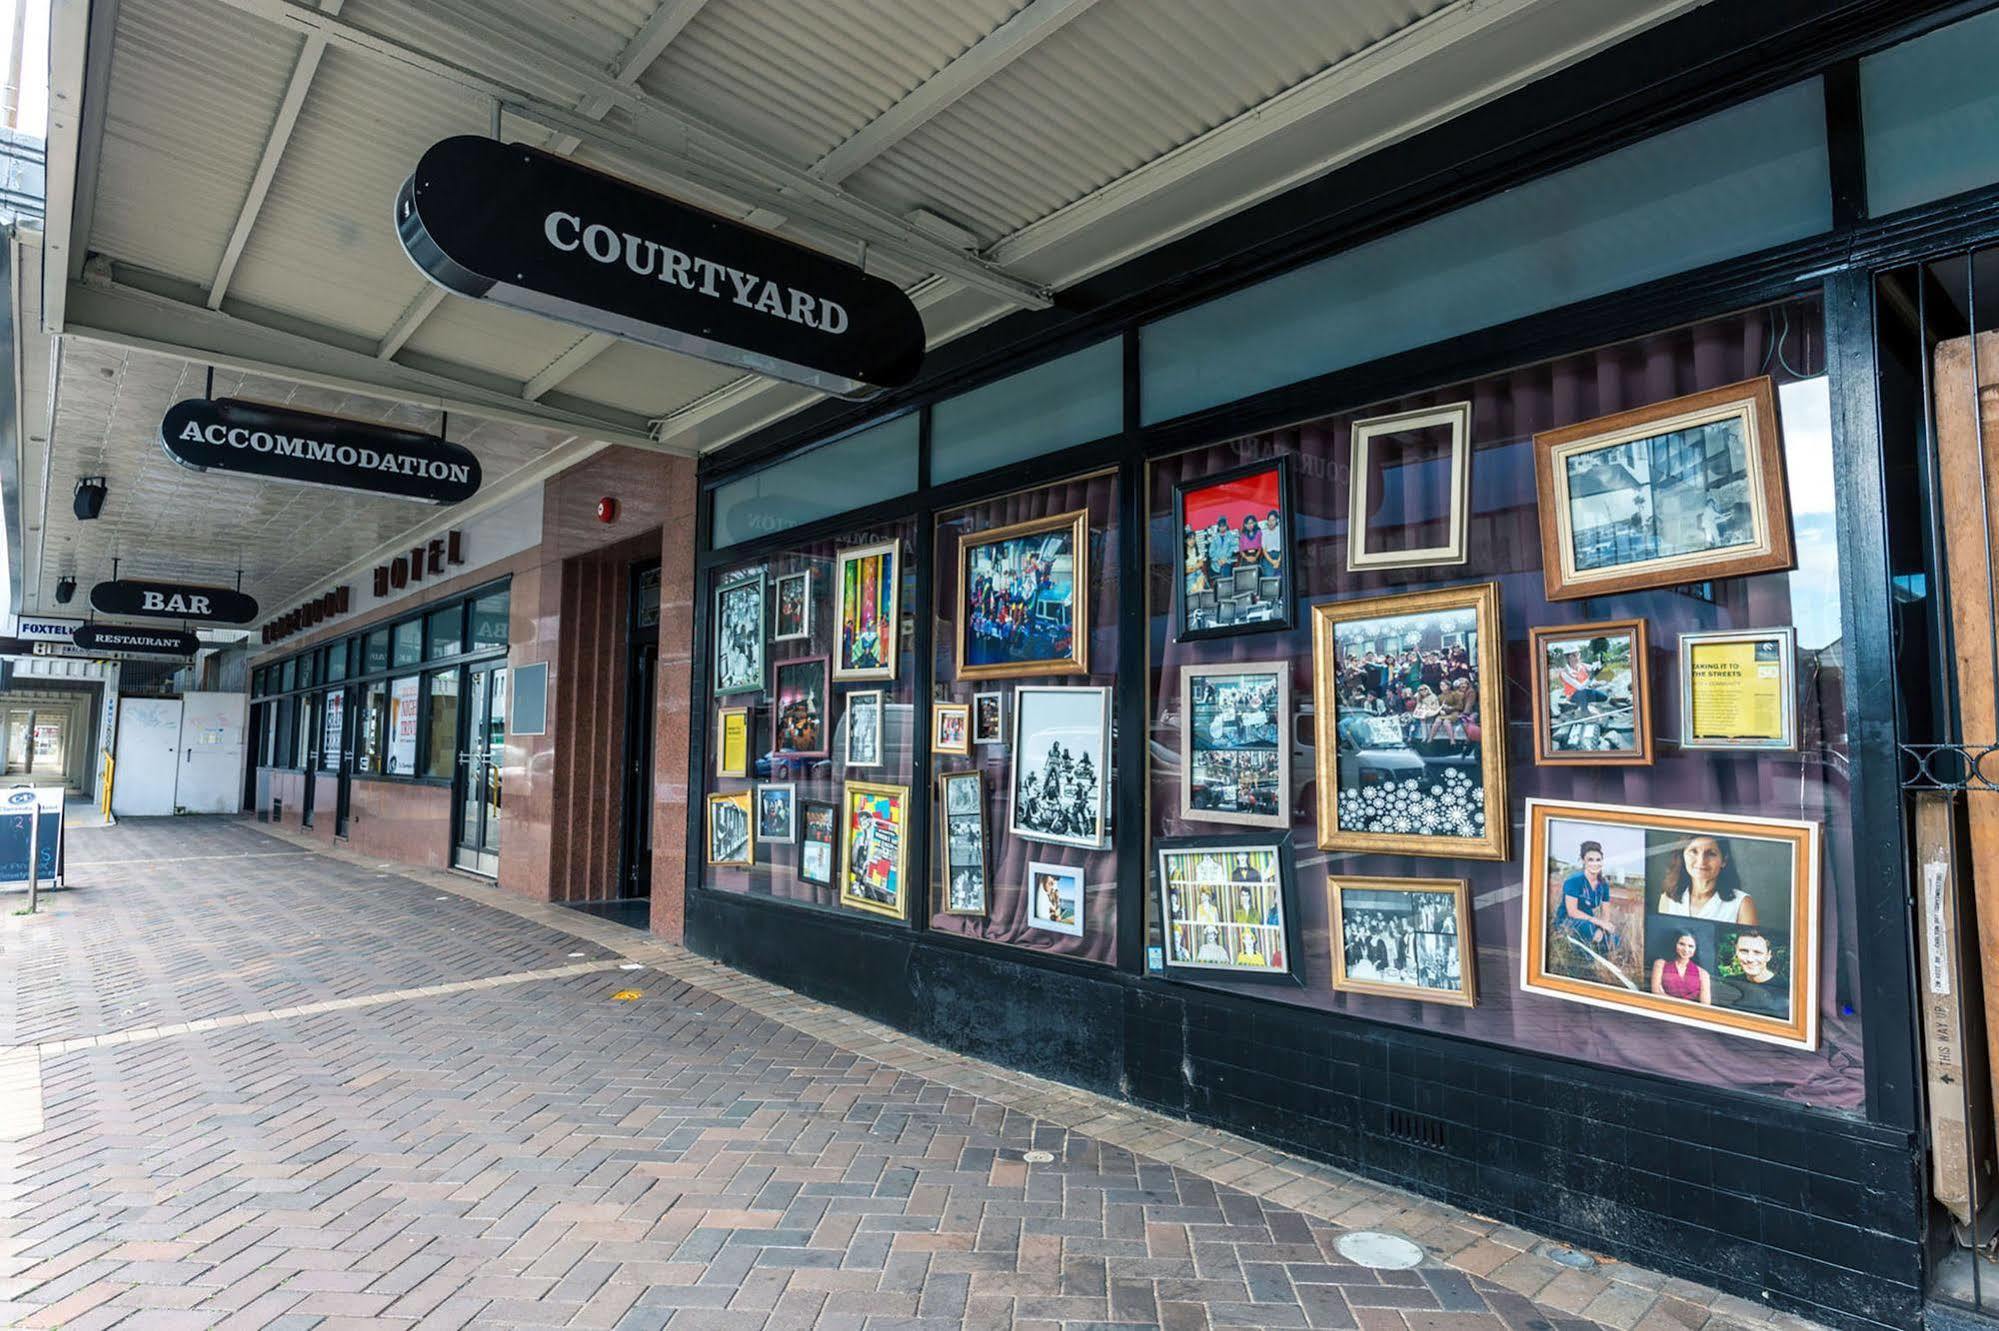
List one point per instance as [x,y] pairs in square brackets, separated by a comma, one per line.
[642,690]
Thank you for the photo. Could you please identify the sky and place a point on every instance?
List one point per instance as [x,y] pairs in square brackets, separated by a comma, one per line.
[35,67]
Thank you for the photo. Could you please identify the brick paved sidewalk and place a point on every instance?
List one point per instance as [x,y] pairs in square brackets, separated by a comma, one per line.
[254,1086]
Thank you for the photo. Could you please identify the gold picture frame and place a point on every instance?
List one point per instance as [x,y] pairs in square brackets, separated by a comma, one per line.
[1541,642]
[942,739]
[1077,660]
[1727,538]
[867,627]
[719,851]
[949,786]
[886,811]
[1457,938]
[1408,767]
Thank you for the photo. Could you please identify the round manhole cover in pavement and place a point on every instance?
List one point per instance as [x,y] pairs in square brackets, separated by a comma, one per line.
[1038,1157]
[1383,1252]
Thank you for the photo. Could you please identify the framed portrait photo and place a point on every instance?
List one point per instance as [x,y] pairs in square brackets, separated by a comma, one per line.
[1409,724]
[989,718]
[1409,492]
[1061,756]
[729,831]
[1235,539]
[1235,749]
[792,615]
[777,812]
[869,578]
[1704,919]
[1592,694]
[874,825]
[1055,898]
[1680,491]
[861,735]
[732,742]
[961,814]
[950,727]
[1227,906]
[1403,938]
[739,635]
[798,713]
[1739,690]
[818,838]
[1024,598]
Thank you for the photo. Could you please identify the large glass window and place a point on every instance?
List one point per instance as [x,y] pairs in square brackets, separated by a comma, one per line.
[336,662]
[441,742]
[1070,400]
[489,621]
[1931,112]
[864,468]
[375,652]
[443,634]
[407,643]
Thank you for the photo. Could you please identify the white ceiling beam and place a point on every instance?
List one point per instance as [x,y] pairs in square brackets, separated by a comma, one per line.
[127,316]
[986,57]
[409,321]
[293,102]
[70,48]
[569,362]
[749,171]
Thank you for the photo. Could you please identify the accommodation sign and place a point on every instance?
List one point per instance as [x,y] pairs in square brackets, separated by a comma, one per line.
[515,226]
[172,600]
[303,447]
[117,639]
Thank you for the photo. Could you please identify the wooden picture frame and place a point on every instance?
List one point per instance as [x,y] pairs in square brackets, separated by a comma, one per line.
[1768,677]
[871,700]
[1594,539]
[787,793]
[732,726]
[951,728]
[1259,600]
[1599,717]
[954,811]
[971,636]
[801,627]
[800,681]
[1648,897]
[1441,778]
[1272,757]
[1455,416]
[1205,930]
[989,719]
[868,625]
[879,813]
[1046,714]
[719,851]
[741,662]
[818,840]
[1426,942]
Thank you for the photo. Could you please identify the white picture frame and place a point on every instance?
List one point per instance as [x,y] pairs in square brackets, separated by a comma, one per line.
[1075,719]
[854,725]
[771,795]
[1456,416]
[991,705]
[803,630]
[1064,917]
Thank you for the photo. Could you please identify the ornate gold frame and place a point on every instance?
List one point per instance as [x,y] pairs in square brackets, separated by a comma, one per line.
[1078,660]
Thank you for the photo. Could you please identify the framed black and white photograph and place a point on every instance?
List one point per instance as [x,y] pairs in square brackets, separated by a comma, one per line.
[1409,496]
[1403,938]
[793,597]
[1055,898]
[777,812]
[989,718]
[818,839]
[961,804]
[739,635]
[729,831]
[1235,753]
[862,729]
[1235,535]
[1227,906]
[1061,746]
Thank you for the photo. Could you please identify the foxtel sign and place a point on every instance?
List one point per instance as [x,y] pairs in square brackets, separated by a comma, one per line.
[512,225]
[306,448]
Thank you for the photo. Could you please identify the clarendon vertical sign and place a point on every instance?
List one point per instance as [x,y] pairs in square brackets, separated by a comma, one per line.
[512,225]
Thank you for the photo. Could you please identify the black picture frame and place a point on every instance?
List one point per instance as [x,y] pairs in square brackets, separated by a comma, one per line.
[1286,616]
[1289,927]
[832,844]
[741,584]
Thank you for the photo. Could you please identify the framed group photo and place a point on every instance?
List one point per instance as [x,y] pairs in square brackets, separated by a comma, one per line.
[739,635]
[1409,492]
[1235,534]
[1403,938]
[961,812]
[1592,694]
[1024,598]
[1235,749]
[1228,906]
[1685,490]
[729,831]
[1061,760]
[798,718]
[869,583]
[874,844]
[1409,725]
[1704,919]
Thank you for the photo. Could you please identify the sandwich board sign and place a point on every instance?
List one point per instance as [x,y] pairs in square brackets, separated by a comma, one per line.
[19,806]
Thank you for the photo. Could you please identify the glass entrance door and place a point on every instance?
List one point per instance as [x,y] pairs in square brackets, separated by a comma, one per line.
[481,740]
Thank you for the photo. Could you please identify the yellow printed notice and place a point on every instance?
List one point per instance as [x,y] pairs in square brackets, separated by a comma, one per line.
[735,743]
[1737,691]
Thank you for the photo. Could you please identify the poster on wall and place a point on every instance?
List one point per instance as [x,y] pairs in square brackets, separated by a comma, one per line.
[335,714]
[402,726]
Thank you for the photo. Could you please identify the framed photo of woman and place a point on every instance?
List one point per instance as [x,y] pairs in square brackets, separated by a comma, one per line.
[1409,488]
[739,635]
[1410,724]
[1680,491]
[1235,745]
[1592,694]
[869,579]
[1403,938]
[1228,907]
[1024,599]
[1705,919]
[1235,544]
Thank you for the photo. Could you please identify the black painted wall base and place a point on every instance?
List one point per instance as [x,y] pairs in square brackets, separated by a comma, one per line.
[1807,1211]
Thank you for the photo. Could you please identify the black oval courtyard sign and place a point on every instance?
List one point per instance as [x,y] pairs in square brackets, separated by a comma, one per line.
[172,600]
[145,642]
[280,444]
[512,225]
